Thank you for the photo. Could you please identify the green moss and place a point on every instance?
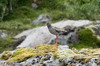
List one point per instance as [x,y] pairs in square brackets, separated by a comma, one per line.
[6,55]
[87,40]
[5,44]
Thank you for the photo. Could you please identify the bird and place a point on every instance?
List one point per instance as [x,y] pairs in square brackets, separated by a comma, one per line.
[57,31]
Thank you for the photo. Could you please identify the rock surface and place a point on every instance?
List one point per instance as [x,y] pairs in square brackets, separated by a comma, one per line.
[97,31]
[42,18]
[34,6]
[2,35]
[17,42]
[41,35]
[64,57]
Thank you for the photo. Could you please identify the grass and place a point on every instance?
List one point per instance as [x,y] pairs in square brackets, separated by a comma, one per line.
[16,24]
[87,40]
[23,17]
[5,44]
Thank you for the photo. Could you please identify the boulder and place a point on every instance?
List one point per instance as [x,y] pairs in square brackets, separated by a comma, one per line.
[34,6]
[43,55]
[95,28]
[41,35]
[2,34]
[97,31]
[42,18]
[17,42]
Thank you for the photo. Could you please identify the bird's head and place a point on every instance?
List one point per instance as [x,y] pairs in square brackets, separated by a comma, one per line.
[48,24]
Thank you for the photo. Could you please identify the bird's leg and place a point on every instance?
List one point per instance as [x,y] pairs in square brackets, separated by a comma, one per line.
[56,39]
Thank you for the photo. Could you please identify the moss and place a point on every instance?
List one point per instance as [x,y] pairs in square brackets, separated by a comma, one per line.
[6,55]
[87,40]
[21,57]
[24,53]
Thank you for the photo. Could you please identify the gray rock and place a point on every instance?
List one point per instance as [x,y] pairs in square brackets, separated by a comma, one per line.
[42,18]
[74,38]
[71,37]
[30,61]
[17,42]
[2,35]
[97,30]
[25,33]
[64,39]
[34,6]
[3,63]
[41,35]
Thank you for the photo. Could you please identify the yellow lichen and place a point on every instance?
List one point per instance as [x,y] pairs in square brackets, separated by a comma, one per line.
[25,53]
[65,53]
[21,57]
[6,55]
[46,48]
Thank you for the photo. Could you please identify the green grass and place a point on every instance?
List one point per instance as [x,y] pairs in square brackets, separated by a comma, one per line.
[87,40]
[16,24]
[5,44]
[23,17]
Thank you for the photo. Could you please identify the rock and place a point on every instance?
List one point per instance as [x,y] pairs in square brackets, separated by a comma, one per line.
[2,35]
[3,63]
[25,33]
[42,18]
[34,6]
[64,39]
[30,61]
[41,35]
[66,57]
[18,41]
[61,47]
[75,59]
[74,38]
[37,37]
[65,53]
[97,31]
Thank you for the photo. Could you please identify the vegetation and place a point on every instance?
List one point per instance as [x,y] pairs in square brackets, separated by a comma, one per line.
[6,55]
[5,44]
[16,15]
[19,14]
[87,40]
[24,53]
